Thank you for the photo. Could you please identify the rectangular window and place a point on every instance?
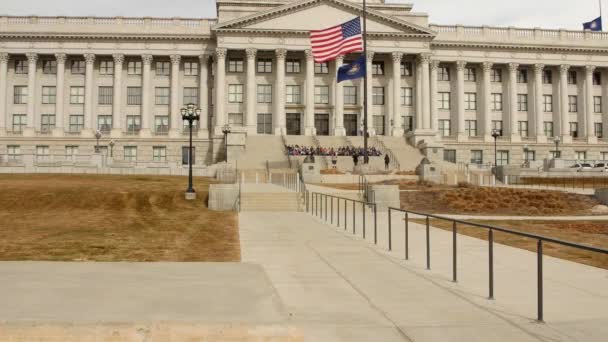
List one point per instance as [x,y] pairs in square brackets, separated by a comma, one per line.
[321,95]
[235,119]
[547,77]
[580,155]
[134,68]
[497,102]
[235,93]
[444,128]
[598,128]
[350,95]
[106,95]
[523,128]
[378,68]
[502,158]
[470,75]
[49,67]
[522,102]
[597,104]
[47,122]
[42,151]
[574,129]
[163,68]
[130,153]
[444,100]
[264,65]
[133,124]
[264,123]
[71,150]
[406,69]
[604,156]
[186,126]
[470,101]
[548,128]
[106,67]
[529,155]
[497,126]
[477,157]
[19,122]
[77,95]
[190,68]
[186,155]
[571,77]
[49,95]
[522,76]
[378,121]
[21,94]
[293,94]
[407,96]
[597,78]
[496,75]
[292,66]
[548,103]
[159,153]
[133,96]
[14,152]
[407,123]
[79,67]
[161,95]
[104,123]
[572,103]
[21,66]
[322,68]
[161,124]
[264,93]
[449,156]
[378,96]
[190,95]
[236,65]
[443,73]
[471,127]
[76,123]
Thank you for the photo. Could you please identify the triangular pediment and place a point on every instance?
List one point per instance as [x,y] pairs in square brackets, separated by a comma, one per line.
[307,15]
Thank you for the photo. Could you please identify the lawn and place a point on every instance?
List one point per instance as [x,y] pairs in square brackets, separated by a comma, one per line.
[112,218]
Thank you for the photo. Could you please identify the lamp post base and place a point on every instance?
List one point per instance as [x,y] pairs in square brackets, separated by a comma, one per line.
[190,196]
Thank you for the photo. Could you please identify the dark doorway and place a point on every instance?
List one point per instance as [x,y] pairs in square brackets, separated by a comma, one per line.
[322,124]
[293,124]
[351,124]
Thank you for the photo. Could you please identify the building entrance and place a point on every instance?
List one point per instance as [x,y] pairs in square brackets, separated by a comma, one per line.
[293,124]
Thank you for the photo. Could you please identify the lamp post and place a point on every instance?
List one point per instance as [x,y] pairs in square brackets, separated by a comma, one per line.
[190,114]
[97,136]
[557,140]
[111,144]
[526,149]
[226,130]
[495,135]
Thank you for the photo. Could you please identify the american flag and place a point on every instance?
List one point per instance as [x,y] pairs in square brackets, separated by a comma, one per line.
[337,40]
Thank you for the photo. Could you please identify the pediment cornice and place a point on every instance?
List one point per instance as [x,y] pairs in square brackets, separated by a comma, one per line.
[300,33]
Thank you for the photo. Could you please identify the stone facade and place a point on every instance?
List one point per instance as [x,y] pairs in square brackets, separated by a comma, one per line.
[63,78]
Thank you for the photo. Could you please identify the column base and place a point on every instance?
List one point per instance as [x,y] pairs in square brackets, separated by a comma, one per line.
[251,129]
[280,131]
[29,132]
[592,140]
[397,132]
[190,196]
[339,131]
[116,133]
[145,133]
[174,133]
[541,139]
[310,131]
[566,139]
[57,132]
[371,131]
[515,138]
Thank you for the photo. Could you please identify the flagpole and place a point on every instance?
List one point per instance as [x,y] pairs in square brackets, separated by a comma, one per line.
[365,123]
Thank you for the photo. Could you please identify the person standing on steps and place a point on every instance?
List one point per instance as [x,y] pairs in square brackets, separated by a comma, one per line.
[355,159]
[387,161]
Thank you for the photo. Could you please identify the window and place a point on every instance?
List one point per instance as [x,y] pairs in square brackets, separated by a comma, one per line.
[134,68]
[571,77]
[497,125]
[597,78]
[47,122]
[444,128]
[293,94]
[264,123]
[497,102]
[378,96]
[163,68]
[236,65]
[190,95]
[477,157]
[522,102]
[529,155]
[378,122]
[321,94]
[130,153]
[77,95]
[449,156]
[292,66]
[598,128]
[235,93]
[471,127]
[264,65]
[470,75]
[264,93]
[186,155]
[133,96]
[597,104]
[161,96]
[604,156]
[20,95]
[580,155]
[106,67]
[443,73]
[407,123]
[49,95]
[49,67]
[133,123]
[161,124]
[79,67]
[548,128]
[159,153]
[350,95]
[502,158]
[71,150]
[19,122]
[76,123]
[496,75]
[21,66]
[572,103]
[407,96]
[548,103]
[522,127]
[42,151]
[235,119]
[444,100]
[104,123]
[574,129]
[470,101]
[186,126]
[547,77]
[406,69]
[106,95]
[522,76]
[14,152]
[322,68]
[190,68]
[377,68]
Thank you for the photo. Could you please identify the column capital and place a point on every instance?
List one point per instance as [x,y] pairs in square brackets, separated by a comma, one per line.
[203,58]
[251,53]
[538,68]
[424,58]
[589,69]
[308,53]
[89,58]
[119,58]
[460,65]
[397,56]
[513,67]
[175,59]
[564,68]
[32,57]
[147,59]
[487,66]
[281,53]
[4,57]
[61,58]
[435,65]
[370,56]
[220,53]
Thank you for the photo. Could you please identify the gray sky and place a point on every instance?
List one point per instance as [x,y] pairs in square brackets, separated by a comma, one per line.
[523,13]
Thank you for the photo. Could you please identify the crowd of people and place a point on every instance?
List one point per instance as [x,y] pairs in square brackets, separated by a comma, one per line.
[297,150]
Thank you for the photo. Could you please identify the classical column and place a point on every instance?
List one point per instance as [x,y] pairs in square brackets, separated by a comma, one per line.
[175,120]
[396,117]
[59,91]
[370,103]
[251,96]
[117,118]
[203,93]
[279,93]
[89,126]
[146,96]
[513,67]
[339,102]
[433,96]
[589,128]
[564,120]
[3,82]
[220,90]
[538,104]
[487,102]
[31,91]
[460,129]
[425,59]
[309,116]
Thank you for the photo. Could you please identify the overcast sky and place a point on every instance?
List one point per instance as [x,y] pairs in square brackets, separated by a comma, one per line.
[524,13]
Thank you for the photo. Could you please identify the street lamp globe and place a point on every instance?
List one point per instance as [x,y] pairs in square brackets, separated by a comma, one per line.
[495,133]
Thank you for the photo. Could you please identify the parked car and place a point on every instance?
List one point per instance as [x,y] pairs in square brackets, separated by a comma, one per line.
[601,167]
[582,167]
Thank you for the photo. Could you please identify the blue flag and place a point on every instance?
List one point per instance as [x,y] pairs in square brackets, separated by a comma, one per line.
[594,25]
[353,70]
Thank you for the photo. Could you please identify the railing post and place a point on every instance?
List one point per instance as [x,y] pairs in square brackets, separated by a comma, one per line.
[428,245]
[354,220]
[306,194]
[375,224]
[338,216]
[454,254]
[345,214]
[407,231]
[540,279]
[390,244]
[332,210]
[325,207]
[491,262]
[363,207]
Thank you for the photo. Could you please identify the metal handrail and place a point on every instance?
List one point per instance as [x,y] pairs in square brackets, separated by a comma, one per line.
[379,144]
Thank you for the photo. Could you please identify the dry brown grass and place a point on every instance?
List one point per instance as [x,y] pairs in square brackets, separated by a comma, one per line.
[331,172]
[111,218]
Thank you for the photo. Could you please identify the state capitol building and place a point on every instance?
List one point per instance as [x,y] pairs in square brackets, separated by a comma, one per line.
[441,86]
